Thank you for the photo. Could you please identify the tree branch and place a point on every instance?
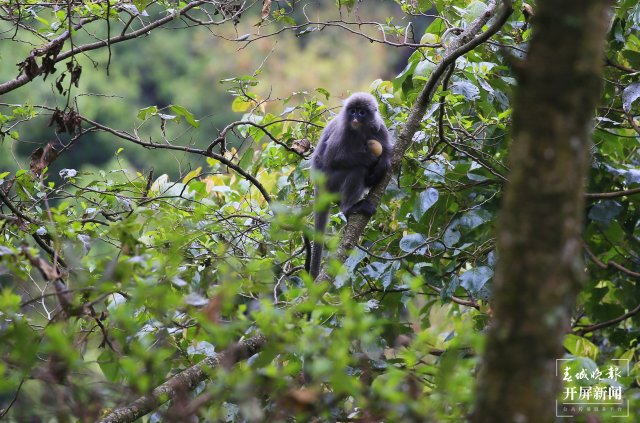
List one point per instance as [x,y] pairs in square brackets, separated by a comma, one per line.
[24,78]
[609,263]
[614,194]
[185,381]
[218,157]
[463,44]
[591,328]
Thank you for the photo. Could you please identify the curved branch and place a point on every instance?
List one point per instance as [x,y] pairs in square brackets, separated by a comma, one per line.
[23,78]
[467,41]
[311,26]
[609,263]
[222,137]
[614,194]
[591,328]
[218,157]
[457,300]
[185,381]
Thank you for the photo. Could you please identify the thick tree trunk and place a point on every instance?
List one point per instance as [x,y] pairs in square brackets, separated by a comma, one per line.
[539,269]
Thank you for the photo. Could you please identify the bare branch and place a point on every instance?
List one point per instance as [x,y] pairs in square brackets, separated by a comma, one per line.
[185,381]
[609,263]
[218,157]
[614,194]
[591,328]
[24,78]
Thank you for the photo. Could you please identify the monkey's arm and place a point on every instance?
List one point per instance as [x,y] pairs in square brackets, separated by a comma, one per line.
[319,159]
[383,164]
[347,156]
[346,159]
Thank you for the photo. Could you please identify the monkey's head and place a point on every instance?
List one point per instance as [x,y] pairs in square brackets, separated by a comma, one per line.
[361,109]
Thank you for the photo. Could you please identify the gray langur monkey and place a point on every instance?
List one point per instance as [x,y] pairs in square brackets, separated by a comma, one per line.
[353,154]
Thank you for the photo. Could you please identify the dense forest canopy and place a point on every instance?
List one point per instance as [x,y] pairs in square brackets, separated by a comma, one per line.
[156,206]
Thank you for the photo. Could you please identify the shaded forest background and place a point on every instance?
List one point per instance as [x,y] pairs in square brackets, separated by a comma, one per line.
[188,68]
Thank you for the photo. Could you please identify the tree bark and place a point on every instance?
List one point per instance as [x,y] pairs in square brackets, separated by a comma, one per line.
[539,269]
[185,381]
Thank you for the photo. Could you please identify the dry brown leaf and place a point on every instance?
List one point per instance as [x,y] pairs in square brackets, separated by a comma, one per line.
[212,309]
[42,157]
[266,8]
[301,146]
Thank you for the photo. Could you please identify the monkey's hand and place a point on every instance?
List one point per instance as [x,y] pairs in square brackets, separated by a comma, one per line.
[377,171]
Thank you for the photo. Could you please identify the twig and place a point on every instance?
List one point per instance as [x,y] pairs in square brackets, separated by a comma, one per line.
[24,78]
[609,263]
[457,300]
[591,328]
[218,157]
[4,411]
[614,194]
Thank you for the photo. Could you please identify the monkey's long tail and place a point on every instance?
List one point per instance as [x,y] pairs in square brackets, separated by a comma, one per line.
[316,253]
[307,255]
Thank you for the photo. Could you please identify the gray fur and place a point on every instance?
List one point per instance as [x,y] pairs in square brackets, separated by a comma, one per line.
[349,168]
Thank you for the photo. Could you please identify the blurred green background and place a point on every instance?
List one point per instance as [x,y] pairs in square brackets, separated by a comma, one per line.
[157,70]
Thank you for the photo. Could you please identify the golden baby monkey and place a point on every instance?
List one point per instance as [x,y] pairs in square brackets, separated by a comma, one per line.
[375,147]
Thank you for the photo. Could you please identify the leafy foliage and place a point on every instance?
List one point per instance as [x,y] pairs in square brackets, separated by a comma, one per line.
[115,280]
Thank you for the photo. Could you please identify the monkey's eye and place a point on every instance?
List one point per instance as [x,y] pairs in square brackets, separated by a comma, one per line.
[357,112]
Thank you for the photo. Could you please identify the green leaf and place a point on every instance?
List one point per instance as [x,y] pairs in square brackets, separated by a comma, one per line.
[605,211]
[474,280]
[424,202]
[409,243]
[141,4]
[324,92]
[630,94]
[9,301]
[438,26]
[240,105]
[41,20]
[580,347]
[576,365]
[466,89]
[398,81]
[247,159]
[108,362]
[452,234]
[423,70]
[147,112]
[474,10]
[349,4]
[356,256]
[188,116]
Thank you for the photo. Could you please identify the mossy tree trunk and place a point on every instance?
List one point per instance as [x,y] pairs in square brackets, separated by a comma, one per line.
[539,269]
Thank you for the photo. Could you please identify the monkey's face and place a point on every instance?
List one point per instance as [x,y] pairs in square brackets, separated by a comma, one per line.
[358,116]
